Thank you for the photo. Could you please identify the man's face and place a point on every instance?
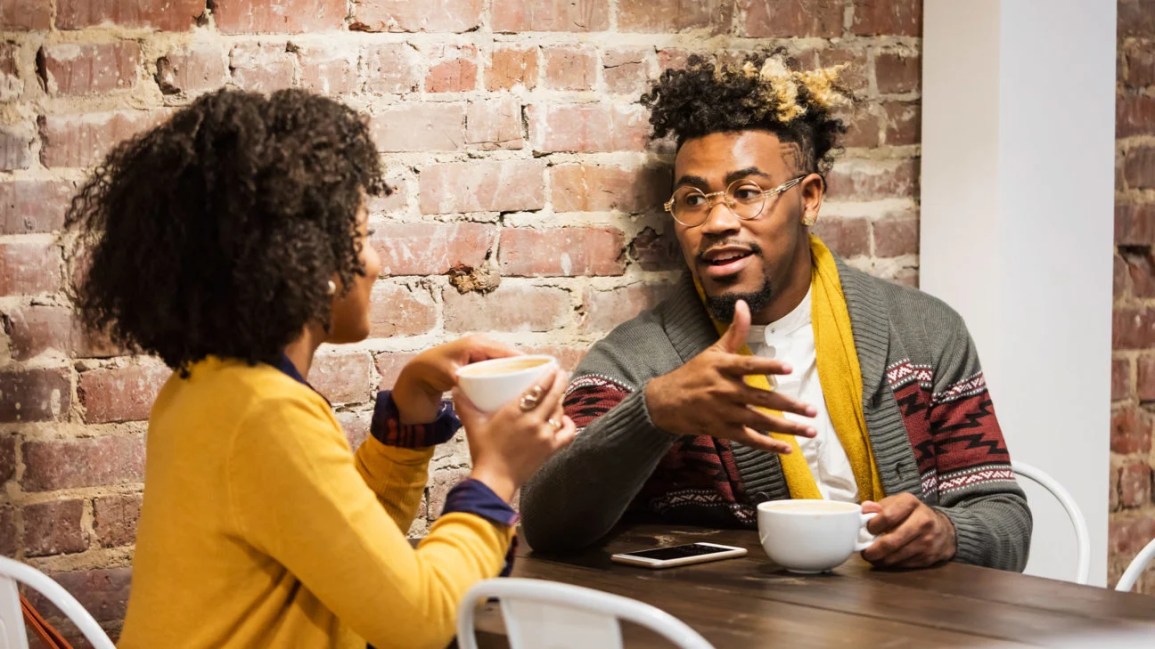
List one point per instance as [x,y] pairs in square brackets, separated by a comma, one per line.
[757,260]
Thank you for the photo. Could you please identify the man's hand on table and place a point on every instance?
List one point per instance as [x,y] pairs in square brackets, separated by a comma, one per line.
[910,533]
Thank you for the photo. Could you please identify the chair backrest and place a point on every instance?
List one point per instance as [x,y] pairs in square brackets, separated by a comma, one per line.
[1082,536]
[1136,567]
[540,613]
[12,632]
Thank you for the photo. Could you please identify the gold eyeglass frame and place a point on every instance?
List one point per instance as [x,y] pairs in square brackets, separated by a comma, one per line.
[713,198]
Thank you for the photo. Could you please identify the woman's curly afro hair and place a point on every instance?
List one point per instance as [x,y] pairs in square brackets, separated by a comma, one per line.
[217,232]
[705,97]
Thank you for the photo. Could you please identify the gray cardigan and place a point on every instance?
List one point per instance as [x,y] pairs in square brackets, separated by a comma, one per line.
[581,492]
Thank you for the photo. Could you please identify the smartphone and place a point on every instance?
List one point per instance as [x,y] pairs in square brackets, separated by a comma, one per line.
[678,555]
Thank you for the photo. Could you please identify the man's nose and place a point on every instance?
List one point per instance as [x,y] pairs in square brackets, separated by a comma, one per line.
[720,218]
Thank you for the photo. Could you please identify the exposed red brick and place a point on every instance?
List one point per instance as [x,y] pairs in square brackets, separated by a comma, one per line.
[655,251]
[1134,115]
[172,16]
[420,126]
[847,237]
[604,310]
[342,376]
[431,248]
[455,71]
[1132,328]
[588,128]
[36,328]
[509,309]
[551,16]
[329,70]
[54,528]
[869,180]
[102,592]
[84,69]
[1137,64]
[399,310]
[35,395]
[1130,431]
[391,68]
[887,17]
[29,267]
[32,206]
[896,236]
[15,149]
[192,69]
[1141,269]
[571,68]
[261,67]
[284,16]
[120,393]
[595,188]
[566,252]
[1145,370]
[25,15]
[114,519]
[482,186]
[1121,384]
[1134,224]
[794,18]
[1122,278]
[1139,168]
[1135,484]
[87,462]
[81,140]
[10,540]
[7,460]
[863,129]
[715,16]
[1129,535]
[355,423]
[1113,489]
[511,66]
[898,72]
[11,85]
[903,123]
[389,365]
[625,71]
[407,16]
[495,123]
[1136,18]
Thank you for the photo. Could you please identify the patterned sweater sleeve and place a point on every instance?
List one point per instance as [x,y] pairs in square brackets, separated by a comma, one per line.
[582,492]
[975,482]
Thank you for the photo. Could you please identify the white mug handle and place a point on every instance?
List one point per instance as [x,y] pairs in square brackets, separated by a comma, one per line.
[859,546]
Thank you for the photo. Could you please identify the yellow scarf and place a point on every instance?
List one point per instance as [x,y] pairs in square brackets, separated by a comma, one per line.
[841,380]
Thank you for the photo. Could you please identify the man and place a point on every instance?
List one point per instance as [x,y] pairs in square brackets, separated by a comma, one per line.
[774,370]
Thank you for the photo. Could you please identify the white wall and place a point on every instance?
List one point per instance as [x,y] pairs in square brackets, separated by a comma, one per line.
[1017,221]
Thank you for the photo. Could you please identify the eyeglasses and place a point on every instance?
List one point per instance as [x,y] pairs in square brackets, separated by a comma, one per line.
[745,198]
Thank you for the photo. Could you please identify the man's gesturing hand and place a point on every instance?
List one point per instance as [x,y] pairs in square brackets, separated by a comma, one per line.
[707,396]
[911,534]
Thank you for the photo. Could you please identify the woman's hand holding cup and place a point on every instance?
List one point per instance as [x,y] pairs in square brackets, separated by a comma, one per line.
[425,379]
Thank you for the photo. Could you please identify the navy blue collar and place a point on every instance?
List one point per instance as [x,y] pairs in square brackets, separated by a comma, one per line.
[286,366]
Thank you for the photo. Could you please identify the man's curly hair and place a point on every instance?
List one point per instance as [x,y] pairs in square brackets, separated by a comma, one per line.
[705,98]
[217,232]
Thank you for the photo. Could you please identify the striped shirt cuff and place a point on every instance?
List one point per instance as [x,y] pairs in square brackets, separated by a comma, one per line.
[475,497]
[388,429]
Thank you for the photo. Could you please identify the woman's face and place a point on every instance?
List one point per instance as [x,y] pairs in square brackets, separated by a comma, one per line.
[349,321]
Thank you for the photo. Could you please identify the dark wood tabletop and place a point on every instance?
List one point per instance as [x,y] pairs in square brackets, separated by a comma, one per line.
[750,602]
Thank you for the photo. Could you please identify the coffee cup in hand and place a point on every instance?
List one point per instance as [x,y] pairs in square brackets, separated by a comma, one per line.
[811,536]
[493,383]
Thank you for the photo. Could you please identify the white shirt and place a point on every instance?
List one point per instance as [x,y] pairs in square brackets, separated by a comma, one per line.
[791,339]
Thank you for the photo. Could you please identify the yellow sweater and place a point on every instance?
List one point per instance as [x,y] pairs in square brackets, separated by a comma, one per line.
[261,529]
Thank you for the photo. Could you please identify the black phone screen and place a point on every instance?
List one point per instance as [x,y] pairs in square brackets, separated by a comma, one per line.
[678,551]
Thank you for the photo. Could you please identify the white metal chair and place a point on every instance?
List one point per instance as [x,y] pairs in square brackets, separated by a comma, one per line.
[541,614]
[12,632]
[1082,536]
[1136,567]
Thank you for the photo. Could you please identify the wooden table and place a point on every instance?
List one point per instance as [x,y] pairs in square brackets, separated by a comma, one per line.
[749,602]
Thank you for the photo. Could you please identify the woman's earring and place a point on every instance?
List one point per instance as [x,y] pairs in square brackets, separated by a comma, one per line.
[809,219]
[332,288]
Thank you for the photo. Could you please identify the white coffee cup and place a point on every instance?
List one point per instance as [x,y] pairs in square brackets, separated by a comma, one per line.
[811,536]
[493,383]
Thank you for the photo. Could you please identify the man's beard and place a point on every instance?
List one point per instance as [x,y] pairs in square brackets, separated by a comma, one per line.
[722,306]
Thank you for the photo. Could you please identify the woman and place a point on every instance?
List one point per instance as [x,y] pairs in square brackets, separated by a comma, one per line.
[231,242]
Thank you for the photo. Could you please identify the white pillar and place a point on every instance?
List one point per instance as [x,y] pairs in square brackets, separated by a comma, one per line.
[1018,160]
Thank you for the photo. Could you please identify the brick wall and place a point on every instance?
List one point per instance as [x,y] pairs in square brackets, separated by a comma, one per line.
[1132,518]
[511,132]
